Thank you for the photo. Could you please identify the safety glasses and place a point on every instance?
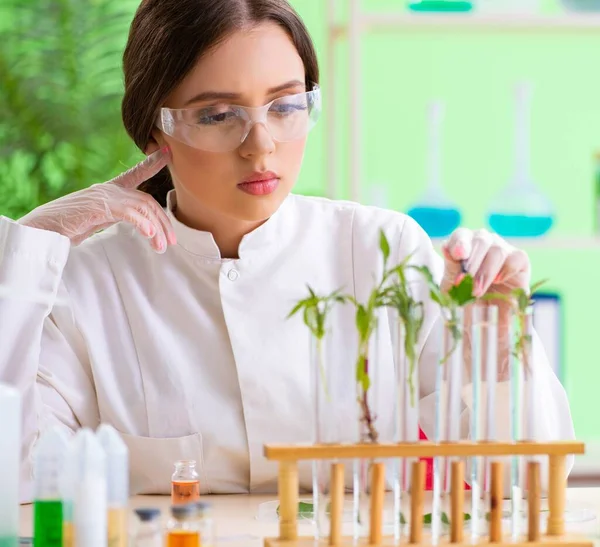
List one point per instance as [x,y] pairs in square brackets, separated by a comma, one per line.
[224,128]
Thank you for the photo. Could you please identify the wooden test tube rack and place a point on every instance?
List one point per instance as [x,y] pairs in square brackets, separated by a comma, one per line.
[288,457]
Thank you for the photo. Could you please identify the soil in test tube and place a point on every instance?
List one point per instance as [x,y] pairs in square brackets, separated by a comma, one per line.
[183,492]
[48,523]
[183,538]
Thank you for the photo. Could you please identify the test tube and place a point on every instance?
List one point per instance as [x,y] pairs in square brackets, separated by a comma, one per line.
[10,446]
[48,504]
[89,491]
[117,471]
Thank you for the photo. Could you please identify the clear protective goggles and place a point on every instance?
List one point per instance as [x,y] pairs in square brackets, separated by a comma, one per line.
[223,128]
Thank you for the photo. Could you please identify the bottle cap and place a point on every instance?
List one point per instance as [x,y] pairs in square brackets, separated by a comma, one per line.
[184,511]
[146,514]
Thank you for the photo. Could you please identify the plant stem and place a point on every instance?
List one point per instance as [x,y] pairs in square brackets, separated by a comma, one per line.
[367,417]
[412,365]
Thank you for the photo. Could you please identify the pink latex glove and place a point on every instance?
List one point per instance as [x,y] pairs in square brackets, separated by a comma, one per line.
[83,213]
[496,267]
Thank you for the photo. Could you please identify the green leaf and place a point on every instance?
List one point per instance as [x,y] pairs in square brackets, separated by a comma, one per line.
[425,272]
[462,293]
[537,285]
[361,373]
[305,508]
[523,299]
[384,246]
[444,518]
[363,321]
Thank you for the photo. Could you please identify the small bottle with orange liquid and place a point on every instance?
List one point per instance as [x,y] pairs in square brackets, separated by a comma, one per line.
[183,529]
[185,483]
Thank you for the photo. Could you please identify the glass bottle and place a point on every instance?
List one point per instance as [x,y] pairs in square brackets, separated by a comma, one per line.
[183,529]
[205,524]
[148,533]
[185,483]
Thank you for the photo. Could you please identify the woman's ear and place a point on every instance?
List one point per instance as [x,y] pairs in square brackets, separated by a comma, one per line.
[157,141]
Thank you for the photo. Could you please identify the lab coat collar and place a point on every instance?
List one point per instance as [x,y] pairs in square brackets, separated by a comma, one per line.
[268,236]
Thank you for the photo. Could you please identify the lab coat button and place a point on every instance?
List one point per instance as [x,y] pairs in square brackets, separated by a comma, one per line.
[232,275]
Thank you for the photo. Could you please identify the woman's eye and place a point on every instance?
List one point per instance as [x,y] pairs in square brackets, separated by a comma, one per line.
[216,118]
[288,108]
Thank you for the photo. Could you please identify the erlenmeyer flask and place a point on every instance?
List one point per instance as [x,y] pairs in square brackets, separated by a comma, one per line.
[521,209]
[440,5]
[581,5]
[436,214]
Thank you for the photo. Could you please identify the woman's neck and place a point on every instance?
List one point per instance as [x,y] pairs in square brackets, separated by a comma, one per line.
[226,231]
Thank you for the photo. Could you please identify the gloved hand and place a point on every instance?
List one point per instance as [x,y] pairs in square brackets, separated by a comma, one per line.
[496,267]
[83,213]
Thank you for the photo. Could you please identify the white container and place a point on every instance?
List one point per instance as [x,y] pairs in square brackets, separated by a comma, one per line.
[90,503]
[48,468]
[10,447]
[117,472]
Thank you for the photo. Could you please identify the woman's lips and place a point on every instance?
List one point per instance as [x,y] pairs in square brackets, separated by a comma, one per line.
[262,187]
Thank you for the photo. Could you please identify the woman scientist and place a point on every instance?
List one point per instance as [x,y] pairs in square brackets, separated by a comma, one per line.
[174,329]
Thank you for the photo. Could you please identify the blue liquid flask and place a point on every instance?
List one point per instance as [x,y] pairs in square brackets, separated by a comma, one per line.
[434,212]
[581,5]
[521,209]
[441,6]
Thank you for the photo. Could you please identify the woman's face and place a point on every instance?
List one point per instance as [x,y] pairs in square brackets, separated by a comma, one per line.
[250,68]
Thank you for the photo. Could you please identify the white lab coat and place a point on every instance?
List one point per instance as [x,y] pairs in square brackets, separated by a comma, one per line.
[189,355]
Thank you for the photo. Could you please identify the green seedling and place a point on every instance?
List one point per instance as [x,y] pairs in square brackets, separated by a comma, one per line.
[450,302]
[398,296]
[315,311]
[366,322]
[519,299]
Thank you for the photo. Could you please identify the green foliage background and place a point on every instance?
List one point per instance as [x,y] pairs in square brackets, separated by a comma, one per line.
[61,76]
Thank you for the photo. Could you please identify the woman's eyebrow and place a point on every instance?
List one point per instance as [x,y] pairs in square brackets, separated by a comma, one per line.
[224,95]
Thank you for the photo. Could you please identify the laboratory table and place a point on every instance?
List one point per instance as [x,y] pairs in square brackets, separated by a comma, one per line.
[238,522]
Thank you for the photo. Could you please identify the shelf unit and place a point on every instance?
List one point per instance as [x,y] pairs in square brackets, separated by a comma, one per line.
[360,21]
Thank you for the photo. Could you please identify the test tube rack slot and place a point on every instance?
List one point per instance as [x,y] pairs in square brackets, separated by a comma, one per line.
[288,456]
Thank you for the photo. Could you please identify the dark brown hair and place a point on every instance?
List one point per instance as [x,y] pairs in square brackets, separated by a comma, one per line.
[166,39]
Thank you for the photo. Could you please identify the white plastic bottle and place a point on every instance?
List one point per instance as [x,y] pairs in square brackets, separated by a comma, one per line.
[117,466]
[89,491]
[10,446]
[49,459]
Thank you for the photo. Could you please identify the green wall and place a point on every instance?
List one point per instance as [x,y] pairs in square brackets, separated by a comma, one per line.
[474,71]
